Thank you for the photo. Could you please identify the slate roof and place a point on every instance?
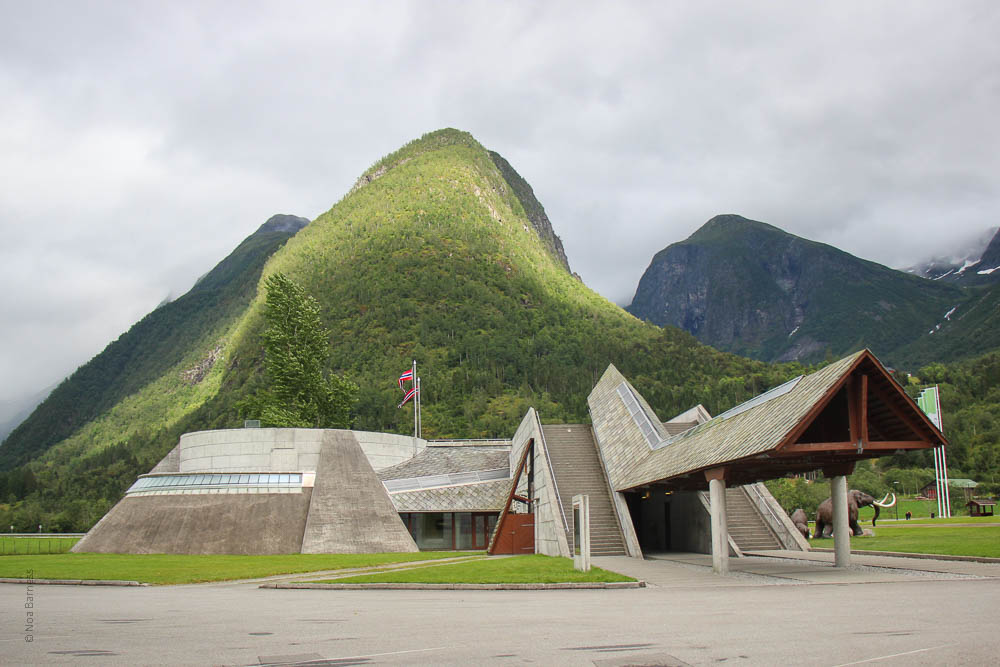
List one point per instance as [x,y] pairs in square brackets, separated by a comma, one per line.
[446,460]
[478,497]
[737,434]
[676,428]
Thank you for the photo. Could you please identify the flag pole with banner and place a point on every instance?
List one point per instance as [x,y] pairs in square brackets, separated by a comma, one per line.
[929,401]
[414,393]
[420,414]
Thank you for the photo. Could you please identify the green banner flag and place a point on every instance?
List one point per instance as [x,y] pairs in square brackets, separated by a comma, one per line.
[929,401]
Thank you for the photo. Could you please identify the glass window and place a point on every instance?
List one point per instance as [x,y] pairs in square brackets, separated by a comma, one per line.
[463,527]
[283,480]
[254,479]
[244,479]
[216,479]
[433,530]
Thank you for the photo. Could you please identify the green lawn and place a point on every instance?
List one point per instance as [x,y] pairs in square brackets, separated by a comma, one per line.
[36,545]
[928,539]
[185,569]
[514,570]
[920,509]
[945,522]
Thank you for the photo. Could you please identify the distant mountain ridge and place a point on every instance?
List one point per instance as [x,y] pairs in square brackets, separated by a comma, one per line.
[753,289]
[976,264]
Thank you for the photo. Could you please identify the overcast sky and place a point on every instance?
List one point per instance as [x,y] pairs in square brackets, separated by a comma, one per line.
[140,142]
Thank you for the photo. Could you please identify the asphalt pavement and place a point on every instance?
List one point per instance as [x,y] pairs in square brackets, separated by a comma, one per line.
[773,610]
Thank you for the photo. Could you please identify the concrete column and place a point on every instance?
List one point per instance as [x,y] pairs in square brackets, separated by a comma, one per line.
[720,528]
[841,528]
[581,532]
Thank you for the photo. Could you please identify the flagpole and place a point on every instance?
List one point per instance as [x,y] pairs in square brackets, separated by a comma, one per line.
[413,379]
[944,458]
[420,416]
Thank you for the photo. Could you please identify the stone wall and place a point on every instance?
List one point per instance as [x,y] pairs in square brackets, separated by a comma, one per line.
[690,523]
[550,527]
[351,512]
[282,449]
[201,524]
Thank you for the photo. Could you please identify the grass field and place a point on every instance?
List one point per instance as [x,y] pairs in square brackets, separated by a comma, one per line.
[185,569]
[920,509]
[923,538]
[514,570]
[945,522]
[36,545]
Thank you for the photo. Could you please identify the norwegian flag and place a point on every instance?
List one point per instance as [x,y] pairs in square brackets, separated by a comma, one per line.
[410,394]
[407,376]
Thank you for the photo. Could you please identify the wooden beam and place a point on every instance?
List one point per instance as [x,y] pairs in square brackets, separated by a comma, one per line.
[863,409]
[529,448]
[816,448]
[839,469]
[901,414]
[853,417]
[821,404]
[899,444]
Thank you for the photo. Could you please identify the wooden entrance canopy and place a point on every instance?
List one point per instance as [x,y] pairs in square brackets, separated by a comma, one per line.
[848,411]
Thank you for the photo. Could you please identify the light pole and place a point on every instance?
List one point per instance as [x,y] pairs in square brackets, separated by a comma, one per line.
[897,504]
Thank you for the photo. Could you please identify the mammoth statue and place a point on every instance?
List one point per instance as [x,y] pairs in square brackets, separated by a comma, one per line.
[855,499]
[801,522]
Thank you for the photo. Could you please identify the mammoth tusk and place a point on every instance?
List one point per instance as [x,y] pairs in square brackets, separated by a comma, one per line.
[885,504]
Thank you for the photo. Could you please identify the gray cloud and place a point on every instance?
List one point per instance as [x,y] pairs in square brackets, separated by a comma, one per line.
[139,143]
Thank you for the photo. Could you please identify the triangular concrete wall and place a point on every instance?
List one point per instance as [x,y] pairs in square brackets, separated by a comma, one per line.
[350,511]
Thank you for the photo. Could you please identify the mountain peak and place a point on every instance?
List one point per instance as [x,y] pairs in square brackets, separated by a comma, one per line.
[726,224]
[283,223]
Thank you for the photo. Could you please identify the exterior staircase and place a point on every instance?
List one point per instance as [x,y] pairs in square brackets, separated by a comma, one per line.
[746,526]
[577,468]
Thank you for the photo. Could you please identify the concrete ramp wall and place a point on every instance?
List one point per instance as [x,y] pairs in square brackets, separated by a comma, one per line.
[221,523]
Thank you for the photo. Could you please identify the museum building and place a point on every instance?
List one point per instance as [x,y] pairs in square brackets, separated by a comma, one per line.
[691,483]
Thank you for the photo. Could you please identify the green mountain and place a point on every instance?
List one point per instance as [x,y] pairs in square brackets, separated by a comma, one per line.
[440,253]
[967,332]
[750,288]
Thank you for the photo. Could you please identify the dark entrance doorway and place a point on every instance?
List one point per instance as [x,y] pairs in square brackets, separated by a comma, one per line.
[650,513]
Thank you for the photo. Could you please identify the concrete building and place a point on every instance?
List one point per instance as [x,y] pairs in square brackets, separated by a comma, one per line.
[691,483]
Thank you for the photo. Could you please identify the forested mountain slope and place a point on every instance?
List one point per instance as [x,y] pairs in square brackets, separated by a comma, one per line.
[437,254]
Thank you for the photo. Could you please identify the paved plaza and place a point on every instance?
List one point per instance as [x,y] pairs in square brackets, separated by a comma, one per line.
[769,611]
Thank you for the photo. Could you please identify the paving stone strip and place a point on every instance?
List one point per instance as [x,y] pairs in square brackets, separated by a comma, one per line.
[72,582]
[909,554]
[343,572]
[303,576]
[462,587]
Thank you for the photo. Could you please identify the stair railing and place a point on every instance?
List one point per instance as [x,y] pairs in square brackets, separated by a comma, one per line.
[552,476]
[775,521]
